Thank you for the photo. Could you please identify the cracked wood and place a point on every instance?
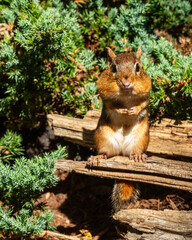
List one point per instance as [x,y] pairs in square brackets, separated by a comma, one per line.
[159,171]
[166,136]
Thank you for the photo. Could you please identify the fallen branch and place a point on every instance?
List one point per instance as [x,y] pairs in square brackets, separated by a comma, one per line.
[159,171]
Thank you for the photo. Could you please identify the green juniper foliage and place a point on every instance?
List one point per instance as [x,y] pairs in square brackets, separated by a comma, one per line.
[48,64]
[134,18]
[20,185]
[51,62]
[10,146]
[35,65]
[23,225]
[166,15]
[170,71]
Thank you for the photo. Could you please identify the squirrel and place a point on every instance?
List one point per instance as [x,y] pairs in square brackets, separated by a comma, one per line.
[123,127]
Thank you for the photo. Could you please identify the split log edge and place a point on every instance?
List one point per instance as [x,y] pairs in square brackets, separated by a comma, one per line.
[158,171]
[166,137]
[49,235]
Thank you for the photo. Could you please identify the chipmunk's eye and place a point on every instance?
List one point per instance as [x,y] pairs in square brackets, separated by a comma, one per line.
[137,68]
[114,69]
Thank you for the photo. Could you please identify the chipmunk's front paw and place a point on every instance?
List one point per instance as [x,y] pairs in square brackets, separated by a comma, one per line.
[122,110]
[132,111]
[93,161]
[142,157]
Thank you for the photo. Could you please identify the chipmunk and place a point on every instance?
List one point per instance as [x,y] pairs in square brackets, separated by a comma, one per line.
[123,127]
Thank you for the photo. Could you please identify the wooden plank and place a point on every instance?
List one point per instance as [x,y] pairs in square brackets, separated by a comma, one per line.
[150,224]
[73,129]
[166,137]
[159,171]
[169,136]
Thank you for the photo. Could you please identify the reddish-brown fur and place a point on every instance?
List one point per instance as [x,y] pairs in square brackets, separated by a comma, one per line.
[123,127]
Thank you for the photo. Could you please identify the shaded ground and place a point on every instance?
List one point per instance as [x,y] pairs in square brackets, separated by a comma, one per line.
[83,202]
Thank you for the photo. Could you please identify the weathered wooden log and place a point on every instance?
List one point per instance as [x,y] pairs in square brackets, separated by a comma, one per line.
[76,130]
[159,171]
[158,235]
[152,225]
[166,136]
[49,235]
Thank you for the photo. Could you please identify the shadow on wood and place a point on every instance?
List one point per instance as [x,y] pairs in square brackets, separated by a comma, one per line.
[169,165]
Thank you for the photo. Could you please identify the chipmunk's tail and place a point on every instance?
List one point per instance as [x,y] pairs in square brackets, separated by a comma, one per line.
[124,194]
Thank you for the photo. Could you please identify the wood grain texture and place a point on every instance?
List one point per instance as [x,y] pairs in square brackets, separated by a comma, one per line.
[158,235]
[73,129]
[49,235]
[166,137]
[167,224]
[159,171]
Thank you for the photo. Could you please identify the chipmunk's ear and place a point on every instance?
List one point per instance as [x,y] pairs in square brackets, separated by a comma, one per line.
[138,53]
[110,53]
[138,63]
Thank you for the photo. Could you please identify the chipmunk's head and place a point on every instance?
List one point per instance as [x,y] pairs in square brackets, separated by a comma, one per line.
[126,68]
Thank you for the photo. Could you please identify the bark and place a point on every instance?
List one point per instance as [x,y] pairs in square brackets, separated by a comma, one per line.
[166,136]
[76,130]
[151,224]
[168,139]
[49,235]
[159,171]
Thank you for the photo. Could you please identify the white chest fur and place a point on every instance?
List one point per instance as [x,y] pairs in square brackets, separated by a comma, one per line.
[124,141]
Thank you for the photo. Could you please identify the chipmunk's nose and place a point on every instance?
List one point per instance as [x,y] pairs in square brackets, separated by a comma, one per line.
[126,84]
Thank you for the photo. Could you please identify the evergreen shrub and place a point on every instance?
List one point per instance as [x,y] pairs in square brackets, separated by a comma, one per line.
[10,146]
[42,58]
[56,54]
[129,27]
[21,184]
[167,15]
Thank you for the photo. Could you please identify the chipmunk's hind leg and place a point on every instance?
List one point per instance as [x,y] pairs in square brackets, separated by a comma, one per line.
[142,157]
[94,160]
[107,143]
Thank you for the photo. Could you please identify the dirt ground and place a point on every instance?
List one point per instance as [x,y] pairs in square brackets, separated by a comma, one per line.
[83,203]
